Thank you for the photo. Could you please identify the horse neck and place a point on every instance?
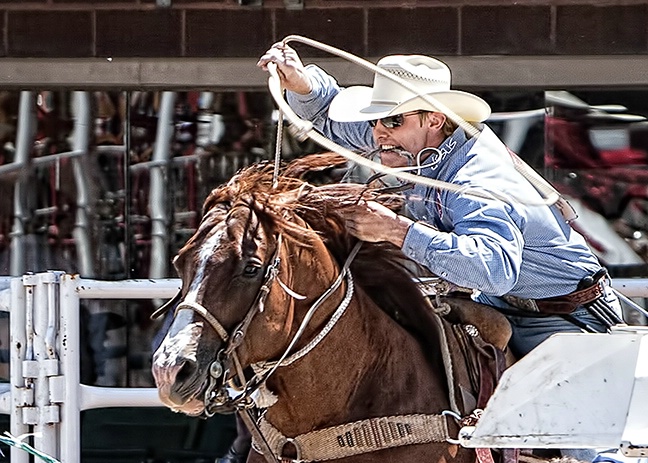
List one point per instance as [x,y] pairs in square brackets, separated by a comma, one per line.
[313,271]
[366,366]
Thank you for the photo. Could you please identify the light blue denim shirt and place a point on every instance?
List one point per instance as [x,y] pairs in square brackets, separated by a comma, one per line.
[493,245]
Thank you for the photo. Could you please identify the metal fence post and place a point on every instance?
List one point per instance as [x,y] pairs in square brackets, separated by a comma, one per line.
[18,343]
[69,339]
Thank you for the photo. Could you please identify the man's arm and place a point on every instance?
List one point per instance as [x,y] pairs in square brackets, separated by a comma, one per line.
[483,250]
[309,92]
[314,107]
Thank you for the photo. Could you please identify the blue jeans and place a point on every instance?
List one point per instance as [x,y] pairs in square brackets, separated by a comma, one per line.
[529,332]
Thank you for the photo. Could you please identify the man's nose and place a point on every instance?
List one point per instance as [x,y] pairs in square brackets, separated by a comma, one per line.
[379,129]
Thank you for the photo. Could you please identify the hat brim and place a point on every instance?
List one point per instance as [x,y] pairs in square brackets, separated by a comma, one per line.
[354,104]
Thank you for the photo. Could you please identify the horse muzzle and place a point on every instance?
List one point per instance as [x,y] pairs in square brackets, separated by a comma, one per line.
[176,371]
[179,390]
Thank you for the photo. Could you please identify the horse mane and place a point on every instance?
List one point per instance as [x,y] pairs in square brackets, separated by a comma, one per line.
[380,269]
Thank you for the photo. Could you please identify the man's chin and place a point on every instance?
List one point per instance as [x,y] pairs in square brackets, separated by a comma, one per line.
[396,158]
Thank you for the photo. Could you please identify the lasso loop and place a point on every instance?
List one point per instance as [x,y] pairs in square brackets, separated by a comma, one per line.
[303,129]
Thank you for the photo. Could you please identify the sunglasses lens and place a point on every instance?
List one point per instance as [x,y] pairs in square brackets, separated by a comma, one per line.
[389,122]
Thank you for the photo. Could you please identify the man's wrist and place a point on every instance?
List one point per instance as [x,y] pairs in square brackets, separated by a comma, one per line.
[402,227]
[306,86]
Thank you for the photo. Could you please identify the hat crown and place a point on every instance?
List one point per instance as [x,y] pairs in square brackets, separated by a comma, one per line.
[428,89]
[427,75]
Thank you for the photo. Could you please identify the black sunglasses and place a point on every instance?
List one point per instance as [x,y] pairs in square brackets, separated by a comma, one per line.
[393,121]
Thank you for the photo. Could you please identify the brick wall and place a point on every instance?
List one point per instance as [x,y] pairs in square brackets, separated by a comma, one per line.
[224,29]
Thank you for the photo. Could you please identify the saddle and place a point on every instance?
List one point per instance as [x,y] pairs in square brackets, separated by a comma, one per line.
[473,341]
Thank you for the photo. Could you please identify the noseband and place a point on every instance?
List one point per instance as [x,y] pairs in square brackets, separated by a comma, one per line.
[214,397]
[216,394]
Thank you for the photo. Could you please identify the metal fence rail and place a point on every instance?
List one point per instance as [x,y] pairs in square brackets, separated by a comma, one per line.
[45,394]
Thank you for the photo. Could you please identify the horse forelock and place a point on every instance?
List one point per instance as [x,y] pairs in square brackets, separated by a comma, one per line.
[274,205]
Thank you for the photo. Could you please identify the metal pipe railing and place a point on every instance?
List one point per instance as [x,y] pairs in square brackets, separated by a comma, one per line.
[81,143]
[24,142]
[17,343]
[79,397]
[158,193]
[46,427]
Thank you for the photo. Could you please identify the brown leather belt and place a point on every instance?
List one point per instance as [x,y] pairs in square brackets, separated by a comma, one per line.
[560,304]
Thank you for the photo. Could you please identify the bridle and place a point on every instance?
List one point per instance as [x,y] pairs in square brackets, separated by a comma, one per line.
[220,382]
[216,394]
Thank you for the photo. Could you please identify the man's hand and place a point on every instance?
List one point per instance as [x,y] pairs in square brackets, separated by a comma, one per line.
[289,67]
[373,222]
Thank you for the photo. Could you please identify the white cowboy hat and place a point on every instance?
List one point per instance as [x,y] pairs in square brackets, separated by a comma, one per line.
[429,76]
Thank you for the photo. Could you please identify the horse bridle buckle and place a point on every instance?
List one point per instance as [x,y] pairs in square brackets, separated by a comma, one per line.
[295,445]
[216,369]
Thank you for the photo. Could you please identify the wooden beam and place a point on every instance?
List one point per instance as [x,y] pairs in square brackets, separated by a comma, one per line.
[481,72]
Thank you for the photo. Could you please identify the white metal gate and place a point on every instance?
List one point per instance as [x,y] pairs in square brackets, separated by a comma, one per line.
[45,395]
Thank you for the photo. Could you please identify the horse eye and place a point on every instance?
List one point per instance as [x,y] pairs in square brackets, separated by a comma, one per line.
[251,270]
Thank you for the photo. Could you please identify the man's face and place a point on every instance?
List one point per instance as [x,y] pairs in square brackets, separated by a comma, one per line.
[415,132]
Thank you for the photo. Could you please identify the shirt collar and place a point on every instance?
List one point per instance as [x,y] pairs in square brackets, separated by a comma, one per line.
[448,146]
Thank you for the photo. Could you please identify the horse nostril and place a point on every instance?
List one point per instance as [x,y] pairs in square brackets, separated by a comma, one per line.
[187,370]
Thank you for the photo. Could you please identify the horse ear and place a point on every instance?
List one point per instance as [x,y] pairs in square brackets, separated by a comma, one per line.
[168,306]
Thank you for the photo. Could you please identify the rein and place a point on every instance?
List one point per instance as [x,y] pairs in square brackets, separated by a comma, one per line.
[266,369]
[283,361]
[216,395]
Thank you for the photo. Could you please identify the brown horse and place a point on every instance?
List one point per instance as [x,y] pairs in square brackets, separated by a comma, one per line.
[275,314]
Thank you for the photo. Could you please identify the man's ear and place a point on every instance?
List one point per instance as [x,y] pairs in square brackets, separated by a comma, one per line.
[436,120]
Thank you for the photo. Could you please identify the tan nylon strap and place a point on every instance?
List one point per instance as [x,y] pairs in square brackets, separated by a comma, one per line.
[204,313]
[358,437]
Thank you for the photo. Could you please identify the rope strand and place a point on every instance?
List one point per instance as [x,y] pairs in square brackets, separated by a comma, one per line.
[305,129]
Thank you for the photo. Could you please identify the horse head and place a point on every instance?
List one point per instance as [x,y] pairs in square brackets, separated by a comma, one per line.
[239,294]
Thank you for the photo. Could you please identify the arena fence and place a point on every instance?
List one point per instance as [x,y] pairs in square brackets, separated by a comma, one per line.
[44,395]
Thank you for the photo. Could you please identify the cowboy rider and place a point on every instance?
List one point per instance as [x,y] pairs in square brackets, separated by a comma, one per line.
[518,255]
